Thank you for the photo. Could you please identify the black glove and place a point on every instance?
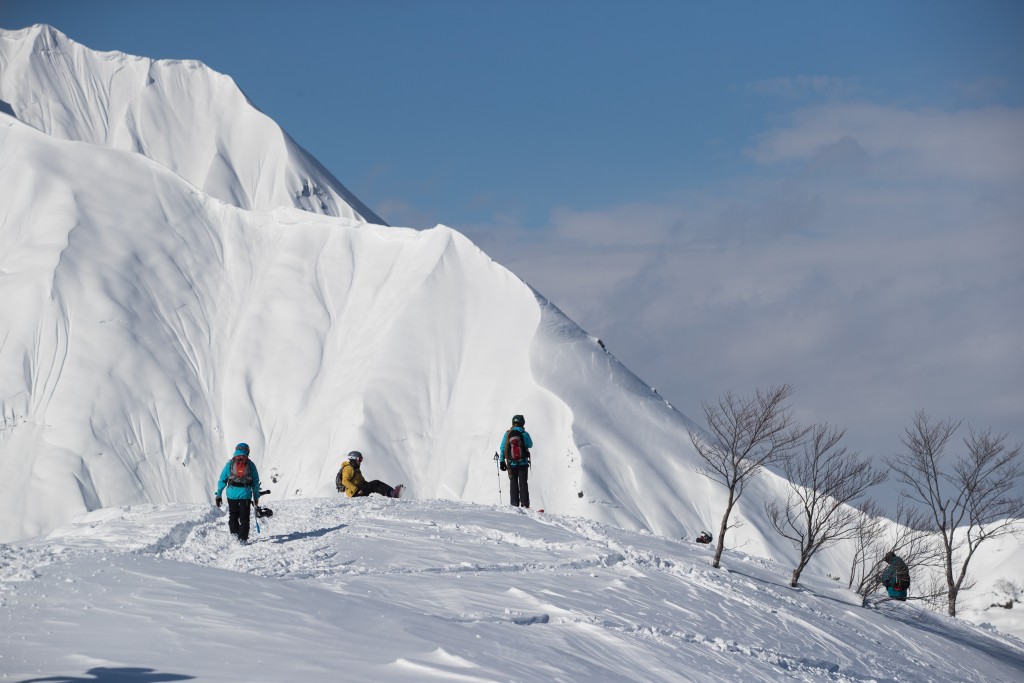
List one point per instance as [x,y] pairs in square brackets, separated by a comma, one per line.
[218,501]
[501,464]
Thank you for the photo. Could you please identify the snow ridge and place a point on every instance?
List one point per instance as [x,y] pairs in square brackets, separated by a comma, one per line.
[180,113]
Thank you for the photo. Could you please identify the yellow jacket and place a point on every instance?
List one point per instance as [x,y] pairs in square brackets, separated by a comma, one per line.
[351,478]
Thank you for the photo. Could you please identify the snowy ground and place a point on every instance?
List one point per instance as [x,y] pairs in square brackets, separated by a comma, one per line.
[409,590]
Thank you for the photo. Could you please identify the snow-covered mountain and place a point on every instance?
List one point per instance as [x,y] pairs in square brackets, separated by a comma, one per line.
[181,114]
[177,276]
[158,312]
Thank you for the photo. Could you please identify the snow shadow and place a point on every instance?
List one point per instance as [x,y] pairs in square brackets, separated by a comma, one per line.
[6,108]
[299,535]
[959,634]
[103,674]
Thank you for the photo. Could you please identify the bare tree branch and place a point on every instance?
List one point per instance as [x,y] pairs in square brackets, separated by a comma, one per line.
[968,503]
[824,481]
[746,433]
[908,537]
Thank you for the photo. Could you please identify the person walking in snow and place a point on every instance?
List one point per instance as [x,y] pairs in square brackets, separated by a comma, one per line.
[896,577]
[242,481]
[514,457]
[350,480]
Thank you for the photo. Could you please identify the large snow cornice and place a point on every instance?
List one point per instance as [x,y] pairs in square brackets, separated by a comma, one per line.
[182,114]
[148,327]
[154,315]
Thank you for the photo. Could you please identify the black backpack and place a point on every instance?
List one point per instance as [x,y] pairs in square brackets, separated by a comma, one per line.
[337,481]
[238,472]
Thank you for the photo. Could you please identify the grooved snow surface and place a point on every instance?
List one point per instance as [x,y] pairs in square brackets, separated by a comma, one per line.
[180,113]
[376,589]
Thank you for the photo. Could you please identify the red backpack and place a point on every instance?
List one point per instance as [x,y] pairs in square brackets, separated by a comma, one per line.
[515,448]
[238,473]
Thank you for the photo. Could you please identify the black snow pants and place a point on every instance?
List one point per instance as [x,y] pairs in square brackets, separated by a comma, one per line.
[375,486]
[519,486]
[238,518]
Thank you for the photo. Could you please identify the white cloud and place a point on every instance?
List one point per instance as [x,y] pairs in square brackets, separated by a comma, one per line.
[985,145]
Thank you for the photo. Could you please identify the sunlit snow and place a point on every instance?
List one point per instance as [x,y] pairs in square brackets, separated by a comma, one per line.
[176,275]
[413,590]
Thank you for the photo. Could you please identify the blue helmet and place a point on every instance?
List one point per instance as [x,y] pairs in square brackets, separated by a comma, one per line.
[242,449]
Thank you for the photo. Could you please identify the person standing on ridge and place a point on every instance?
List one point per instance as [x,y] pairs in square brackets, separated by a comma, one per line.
[515,457]
[350,480]
[896,577]
[243,484]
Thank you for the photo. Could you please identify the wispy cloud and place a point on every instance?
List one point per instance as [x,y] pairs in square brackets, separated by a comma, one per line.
[976,145]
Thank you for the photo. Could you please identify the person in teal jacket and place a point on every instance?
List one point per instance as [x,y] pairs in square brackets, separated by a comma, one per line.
[518,469]
[896,577]
[242,481]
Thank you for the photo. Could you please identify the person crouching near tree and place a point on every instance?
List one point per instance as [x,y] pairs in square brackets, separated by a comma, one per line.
[350,480]
[896,577]
[242,481]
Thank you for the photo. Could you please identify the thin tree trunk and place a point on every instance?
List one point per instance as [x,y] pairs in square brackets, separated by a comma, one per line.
[721,531]
[795,581]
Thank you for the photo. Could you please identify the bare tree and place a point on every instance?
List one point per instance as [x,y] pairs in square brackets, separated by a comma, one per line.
[746,433]
[907,536]
[825,479]
[869,527]
[968,504]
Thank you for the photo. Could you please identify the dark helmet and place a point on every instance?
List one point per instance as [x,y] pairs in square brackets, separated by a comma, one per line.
[518,421]
[355,456]
[242,449]
[888,556]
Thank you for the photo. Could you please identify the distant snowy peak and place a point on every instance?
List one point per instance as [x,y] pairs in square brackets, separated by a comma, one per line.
[181,114]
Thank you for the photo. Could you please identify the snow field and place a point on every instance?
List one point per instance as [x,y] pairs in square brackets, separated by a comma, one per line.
[415,590]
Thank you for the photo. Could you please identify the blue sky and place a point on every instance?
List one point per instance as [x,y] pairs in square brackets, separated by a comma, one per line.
[731,195]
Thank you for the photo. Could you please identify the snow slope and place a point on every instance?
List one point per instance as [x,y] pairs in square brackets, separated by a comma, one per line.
[150,326]
[182,114]
[378,589]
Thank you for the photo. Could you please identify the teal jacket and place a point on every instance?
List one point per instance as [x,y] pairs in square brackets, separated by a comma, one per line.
[526,440]
[240,492]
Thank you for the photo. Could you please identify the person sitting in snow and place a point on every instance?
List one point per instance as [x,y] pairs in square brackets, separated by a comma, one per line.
[242,481]
[704,537]
[350,480]
[515,458]
[896,577]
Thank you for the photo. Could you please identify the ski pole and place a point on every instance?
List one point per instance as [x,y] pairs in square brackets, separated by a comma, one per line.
[498,472]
